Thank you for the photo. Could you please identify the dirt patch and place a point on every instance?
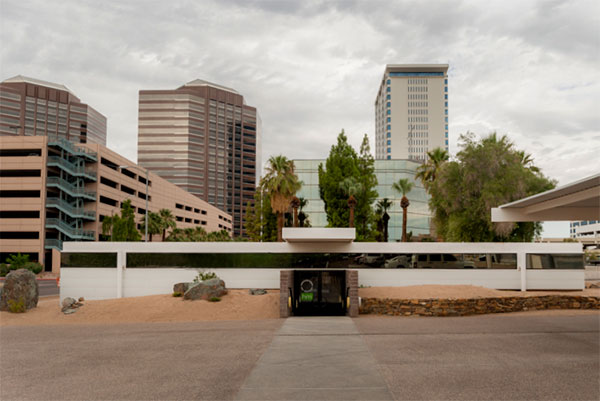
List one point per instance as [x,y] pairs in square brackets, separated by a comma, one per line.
[458,292]
[237,305]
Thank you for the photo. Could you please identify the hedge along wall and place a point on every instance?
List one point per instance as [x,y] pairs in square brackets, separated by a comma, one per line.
[474,306]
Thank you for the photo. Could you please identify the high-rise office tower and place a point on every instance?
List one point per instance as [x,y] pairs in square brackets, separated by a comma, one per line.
[203,138]
[32,107]
[411,111]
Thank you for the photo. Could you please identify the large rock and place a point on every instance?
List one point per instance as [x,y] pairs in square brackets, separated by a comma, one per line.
[182,287]
[206,290]
[20,285]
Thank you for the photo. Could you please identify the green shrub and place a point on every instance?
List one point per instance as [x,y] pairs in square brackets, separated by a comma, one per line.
[17,261]
[214,299]
[203,276]
[34,267]
[177,294]
[16,306]
[4,269]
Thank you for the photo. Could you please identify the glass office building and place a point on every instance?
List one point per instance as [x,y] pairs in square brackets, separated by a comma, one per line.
[387,172]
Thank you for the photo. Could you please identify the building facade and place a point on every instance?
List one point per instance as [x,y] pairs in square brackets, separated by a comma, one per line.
[53,191]
[411,111]
[387,173]
[585,229]
[205,139]
[31,107]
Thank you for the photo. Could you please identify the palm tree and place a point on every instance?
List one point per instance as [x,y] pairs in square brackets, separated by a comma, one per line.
[295,205]
[384,205]
[351,187]
[403,186]
[428,170]
[301,215]
[167,221]
[281,182]
[154,224]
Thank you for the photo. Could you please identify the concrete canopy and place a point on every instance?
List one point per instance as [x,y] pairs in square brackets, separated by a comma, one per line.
[579,200]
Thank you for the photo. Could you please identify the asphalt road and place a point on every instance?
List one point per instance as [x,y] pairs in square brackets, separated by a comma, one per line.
[500,357]
[47,288]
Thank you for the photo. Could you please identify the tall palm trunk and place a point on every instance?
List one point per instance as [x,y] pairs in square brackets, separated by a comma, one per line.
[279,227]
[404,203]
[386,219]
[351,205]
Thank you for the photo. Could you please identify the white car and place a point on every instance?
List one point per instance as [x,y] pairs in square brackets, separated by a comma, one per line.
[398,262]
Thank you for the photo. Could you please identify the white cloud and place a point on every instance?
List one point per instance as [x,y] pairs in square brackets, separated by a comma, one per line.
[525,69]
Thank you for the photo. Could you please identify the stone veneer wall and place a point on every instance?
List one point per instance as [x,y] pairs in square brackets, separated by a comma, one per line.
[352,284]
[286,281]
[474,306]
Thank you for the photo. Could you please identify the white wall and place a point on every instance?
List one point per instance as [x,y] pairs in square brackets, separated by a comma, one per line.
[106,283]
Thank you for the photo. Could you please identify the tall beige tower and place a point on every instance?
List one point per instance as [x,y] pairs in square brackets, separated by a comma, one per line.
[411,111]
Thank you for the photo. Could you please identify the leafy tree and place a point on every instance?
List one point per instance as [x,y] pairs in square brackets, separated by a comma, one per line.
[260,221]
[122,228]
[428,170]
[197,234]
[154,224]
[403,186]
[343,162]
[17,261]
[487,173]
[351,188]
[167,221]
[365,217]
[281,182]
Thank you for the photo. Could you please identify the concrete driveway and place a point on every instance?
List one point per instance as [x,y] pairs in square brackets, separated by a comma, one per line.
[532,356]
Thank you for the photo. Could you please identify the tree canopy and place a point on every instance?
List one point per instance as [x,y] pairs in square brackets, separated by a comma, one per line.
[487,173]
[260,221]
[122,228]
[342,164]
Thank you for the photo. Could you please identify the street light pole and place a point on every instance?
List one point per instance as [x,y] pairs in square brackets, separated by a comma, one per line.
[146,214]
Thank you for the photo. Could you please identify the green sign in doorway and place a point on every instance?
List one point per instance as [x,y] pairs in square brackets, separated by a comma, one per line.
[306,297]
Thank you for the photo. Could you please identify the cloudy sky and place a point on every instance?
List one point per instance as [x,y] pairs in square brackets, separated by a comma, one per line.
[527,69]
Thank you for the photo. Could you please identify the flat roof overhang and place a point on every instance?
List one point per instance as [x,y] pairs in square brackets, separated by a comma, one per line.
[318,234]
[579,200]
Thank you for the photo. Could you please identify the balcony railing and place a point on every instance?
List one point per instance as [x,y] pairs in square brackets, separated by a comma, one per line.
[71,148]
[71,210]
[71,189]
[70,231]
[53,243]
[78,171]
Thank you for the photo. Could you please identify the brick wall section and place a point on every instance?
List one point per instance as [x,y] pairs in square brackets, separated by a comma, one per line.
[352,283]
[474,306]
[286,281]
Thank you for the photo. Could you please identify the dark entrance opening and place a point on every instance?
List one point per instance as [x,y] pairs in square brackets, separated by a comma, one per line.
[319,293]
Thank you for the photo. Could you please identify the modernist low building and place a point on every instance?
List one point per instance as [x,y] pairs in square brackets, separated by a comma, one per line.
[53,191]
[387,173]
[103,270]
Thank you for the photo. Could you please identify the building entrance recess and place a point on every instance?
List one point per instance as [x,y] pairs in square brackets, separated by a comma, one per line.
[319,293]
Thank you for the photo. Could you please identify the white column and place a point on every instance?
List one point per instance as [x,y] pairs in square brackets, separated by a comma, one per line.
[120,268]
[522,266]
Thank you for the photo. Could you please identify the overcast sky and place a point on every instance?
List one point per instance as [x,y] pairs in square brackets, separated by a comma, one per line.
[527,69]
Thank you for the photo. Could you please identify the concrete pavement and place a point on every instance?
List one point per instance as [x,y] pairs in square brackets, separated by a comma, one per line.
[316,358]
[550,356]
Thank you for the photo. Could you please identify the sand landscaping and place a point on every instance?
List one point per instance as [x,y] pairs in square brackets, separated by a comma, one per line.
[237,305]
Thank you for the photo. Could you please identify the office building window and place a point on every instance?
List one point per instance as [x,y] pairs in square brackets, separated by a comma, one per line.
[389,127]
[389,112]
[389,120]
[445,96]
[446,119]
[388,89]
[389,135]
[445,81]
[389,104]
[389,142]
[389,157]
[389,150]
[388,97]
[445,89]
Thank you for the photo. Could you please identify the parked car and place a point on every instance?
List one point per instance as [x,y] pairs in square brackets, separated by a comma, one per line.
[399,262]
[370,259]
[441,261]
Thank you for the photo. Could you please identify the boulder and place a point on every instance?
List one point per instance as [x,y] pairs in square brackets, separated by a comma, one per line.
[20,285]
[214,287]
[67,302]
[182,287]
[257,291]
